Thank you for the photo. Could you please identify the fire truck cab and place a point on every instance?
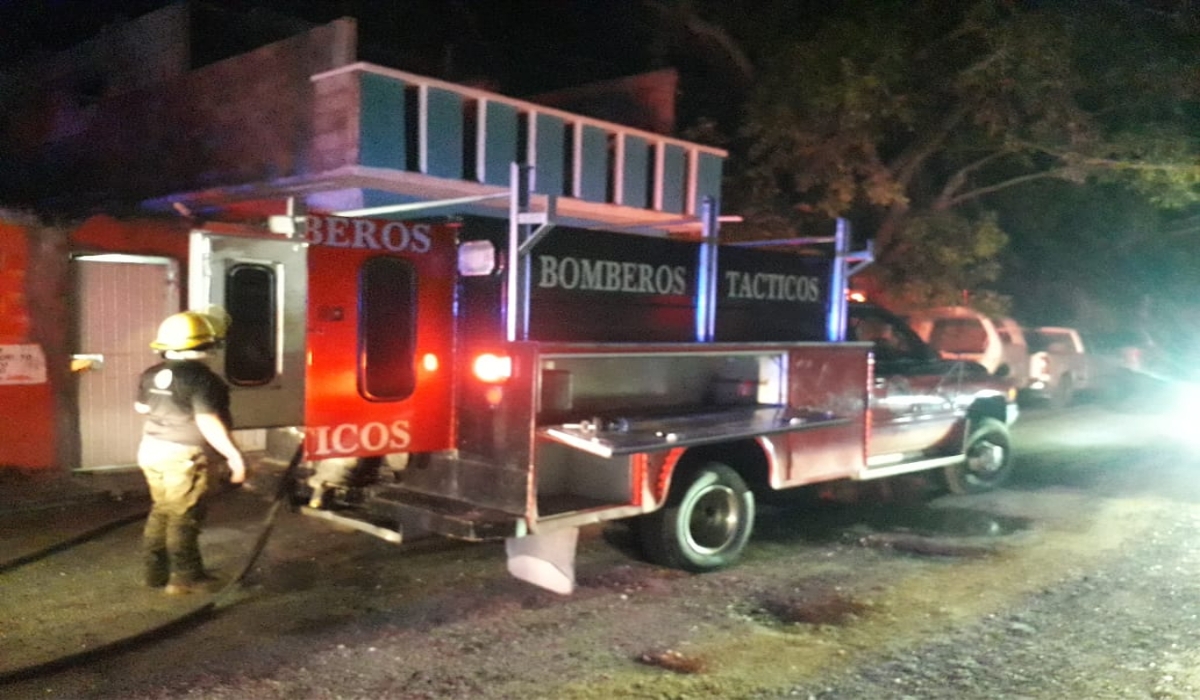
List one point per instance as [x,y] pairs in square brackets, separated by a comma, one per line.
[484,378]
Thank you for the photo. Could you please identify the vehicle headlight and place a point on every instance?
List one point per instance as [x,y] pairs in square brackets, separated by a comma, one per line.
[1181,412]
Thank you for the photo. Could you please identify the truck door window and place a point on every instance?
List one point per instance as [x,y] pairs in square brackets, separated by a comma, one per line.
[959,335]
[893,340]
[387,300]
[251,339]
[1052,342]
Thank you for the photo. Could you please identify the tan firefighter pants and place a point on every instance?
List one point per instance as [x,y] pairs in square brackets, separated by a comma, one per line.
[178,477]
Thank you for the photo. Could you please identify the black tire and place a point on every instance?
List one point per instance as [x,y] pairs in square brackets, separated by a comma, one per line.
[1064,393]
[987,462]
[705,523]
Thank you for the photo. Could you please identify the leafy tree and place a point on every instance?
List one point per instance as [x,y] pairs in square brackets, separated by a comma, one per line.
[911,118]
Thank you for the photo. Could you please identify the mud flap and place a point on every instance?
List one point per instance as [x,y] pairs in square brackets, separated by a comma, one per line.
[545,560]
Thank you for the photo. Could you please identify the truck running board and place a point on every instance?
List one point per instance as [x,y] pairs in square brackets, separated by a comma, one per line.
[384,533]
[445,516]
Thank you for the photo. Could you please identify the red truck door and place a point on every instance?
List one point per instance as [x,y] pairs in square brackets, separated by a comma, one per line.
[380,360]
[912,410]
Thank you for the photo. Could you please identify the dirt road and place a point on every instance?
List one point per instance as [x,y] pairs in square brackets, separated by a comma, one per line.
[1078,581]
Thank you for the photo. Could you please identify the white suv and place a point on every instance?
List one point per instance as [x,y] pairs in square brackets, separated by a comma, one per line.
[962,333]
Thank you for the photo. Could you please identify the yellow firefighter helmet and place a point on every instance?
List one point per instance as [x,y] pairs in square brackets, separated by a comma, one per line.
[219,318]
[186,330]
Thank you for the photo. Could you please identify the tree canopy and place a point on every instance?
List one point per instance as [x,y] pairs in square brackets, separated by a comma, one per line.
[918,120]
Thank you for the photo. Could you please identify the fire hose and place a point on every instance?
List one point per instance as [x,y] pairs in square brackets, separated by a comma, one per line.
[190,618]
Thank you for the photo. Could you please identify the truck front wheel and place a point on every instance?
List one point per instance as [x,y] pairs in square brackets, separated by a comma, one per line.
[705,523]
[987,463]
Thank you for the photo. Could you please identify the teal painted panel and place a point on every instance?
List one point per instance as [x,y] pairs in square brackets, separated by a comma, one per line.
[500,142]
[593,165]
[381,198]
[708,178]
[636,173]
[445,144]
[549,162]
[381,122]
[674,182]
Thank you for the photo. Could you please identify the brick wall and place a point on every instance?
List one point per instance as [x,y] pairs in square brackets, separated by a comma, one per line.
[645,101]
[336,122]
[243,120]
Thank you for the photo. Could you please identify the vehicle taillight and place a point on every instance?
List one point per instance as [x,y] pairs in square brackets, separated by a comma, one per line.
[430,362]
[491,368]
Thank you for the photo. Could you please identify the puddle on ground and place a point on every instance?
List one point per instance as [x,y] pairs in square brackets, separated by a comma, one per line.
[821,607]
[948,522]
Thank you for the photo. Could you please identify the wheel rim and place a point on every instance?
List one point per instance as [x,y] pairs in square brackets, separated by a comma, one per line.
[713,519]
[986,458]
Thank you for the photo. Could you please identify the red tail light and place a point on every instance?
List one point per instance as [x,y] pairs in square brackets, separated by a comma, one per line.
[491,368]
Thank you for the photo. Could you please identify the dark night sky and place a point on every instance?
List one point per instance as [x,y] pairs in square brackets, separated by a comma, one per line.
[27,25]
[528,45]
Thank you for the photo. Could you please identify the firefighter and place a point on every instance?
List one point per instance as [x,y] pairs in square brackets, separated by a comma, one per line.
[185,435]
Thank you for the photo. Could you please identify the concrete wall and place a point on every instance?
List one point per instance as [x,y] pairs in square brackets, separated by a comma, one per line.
[38,307]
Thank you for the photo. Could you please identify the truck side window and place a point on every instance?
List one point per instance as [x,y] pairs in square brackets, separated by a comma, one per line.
[251,339]
[959,335]
[891,341]
[387,329]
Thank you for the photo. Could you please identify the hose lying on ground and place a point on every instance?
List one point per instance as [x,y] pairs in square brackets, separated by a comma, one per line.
[17,562]
[184,621]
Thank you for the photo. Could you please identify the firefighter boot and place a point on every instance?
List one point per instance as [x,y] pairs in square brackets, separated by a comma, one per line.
[157,570]
[187,567]
[157,565]
[202,584]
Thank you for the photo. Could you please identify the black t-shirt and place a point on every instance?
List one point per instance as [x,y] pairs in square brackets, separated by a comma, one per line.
[177,390]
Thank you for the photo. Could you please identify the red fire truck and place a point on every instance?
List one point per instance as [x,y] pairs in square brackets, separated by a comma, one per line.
[484,378]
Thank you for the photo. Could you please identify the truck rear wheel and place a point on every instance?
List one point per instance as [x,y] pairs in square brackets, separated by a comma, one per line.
[705,523]
[1064,393]
[987,463]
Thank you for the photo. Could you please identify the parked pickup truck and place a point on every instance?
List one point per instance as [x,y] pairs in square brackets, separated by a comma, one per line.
[1059,365]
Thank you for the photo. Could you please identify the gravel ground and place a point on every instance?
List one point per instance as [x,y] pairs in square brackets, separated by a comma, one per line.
[1078,582]
[1127,629]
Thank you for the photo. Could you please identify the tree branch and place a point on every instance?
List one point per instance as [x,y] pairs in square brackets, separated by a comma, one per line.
[1108,163]
[958,179]
[1011,182]
[907,163]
